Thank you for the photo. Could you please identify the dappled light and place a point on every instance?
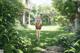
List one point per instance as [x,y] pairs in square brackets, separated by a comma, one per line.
[39,26]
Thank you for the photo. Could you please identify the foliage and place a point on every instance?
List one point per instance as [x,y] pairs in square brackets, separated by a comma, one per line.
[23,43]
[67,40]
[19,51]
[75,48]
[9,11]
[46,13]
[72,50]
[61,20]
[65,7]
[68,9]
[48,38]
[65,10]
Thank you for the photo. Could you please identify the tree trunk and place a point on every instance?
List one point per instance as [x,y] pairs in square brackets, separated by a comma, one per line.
[29,19]
[51,20]
[24,19]
[76,24]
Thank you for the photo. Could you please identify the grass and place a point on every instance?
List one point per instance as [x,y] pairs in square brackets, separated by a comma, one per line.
[47,38]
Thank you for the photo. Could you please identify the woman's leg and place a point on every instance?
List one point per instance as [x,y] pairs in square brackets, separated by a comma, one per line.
[36,34]
[39,34]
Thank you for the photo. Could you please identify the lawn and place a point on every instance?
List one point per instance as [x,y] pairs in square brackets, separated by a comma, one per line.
[47,38]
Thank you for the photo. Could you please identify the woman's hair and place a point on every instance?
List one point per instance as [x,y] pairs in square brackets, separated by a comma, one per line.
[38,19]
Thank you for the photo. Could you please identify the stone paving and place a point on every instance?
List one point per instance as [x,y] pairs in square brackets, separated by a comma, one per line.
[53,49]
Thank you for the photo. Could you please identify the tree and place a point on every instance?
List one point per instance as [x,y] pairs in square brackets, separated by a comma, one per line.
[67,8]
[46,13]
[10,10]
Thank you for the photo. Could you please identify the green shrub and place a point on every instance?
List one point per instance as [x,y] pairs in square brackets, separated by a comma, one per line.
[23,41]
[8,48]
[75,49]
[72,50]
[66,40]
[10,10]
[77,45]
[19,51]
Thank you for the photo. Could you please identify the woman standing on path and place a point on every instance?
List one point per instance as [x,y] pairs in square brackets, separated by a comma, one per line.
[38,25]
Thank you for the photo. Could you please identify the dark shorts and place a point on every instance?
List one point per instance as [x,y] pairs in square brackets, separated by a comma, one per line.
[38,27]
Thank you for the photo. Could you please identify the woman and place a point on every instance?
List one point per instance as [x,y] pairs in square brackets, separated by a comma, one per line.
[38,25]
